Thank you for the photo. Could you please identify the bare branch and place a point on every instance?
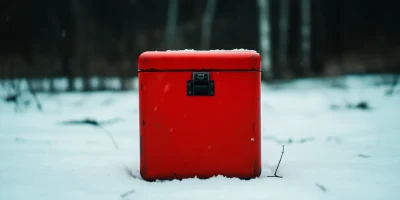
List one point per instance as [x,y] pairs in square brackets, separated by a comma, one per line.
[110,136]
[130,173]
[208,17]
[276,176]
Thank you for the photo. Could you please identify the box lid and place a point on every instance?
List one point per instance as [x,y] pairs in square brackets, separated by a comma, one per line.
[190,60]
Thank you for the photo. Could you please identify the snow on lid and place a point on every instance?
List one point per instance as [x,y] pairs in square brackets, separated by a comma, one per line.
[233,50]
[215,50]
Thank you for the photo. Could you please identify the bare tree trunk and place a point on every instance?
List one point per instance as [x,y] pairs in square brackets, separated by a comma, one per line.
[55,37]
[52,88]
[208,17]
[125,80]
[68,72]
[319,52]
[264,35]
[65,55]
[65,61]
[33,91]
[305,28]
[283,35]
[172,21]
[81,41]
[102,83]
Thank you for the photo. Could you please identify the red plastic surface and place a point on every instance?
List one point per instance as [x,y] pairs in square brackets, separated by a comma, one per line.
[199,60]
[186,136]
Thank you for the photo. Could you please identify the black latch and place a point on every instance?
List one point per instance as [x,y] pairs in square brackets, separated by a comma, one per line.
[200,85]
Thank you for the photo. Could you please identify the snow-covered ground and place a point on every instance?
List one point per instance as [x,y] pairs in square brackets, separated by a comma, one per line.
[330,153]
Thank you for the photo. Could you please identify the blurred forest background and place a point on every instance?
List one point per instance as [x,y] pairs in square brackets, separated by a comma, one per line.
[71,39]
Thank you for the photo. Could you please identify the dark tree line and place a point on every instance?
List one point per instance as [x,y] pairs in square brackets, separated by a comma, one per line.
[72,38]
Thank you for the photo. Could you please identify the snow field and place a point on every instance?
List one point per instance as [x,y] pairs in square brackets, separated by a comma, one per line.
[329,153]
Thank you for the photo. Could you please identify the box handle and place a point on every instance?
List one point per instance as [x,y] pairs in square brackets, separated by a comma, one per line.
[200,85]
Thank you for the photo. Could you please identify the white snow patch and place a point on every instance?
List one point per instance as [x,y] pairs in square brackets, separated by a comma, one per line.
[329,154]
[182,50]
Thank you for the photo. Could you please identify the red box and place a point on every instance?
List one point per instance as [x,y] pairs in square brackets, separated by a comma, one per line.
[199,114]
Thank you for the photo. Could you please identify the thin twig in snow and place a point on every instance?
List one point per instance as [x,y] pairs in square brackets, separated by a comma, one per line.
[321,187]
[91,122]
[363,156]
[95,124]
[110,136]
[288,141]
[130,173]
[127,193]
[276,176]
